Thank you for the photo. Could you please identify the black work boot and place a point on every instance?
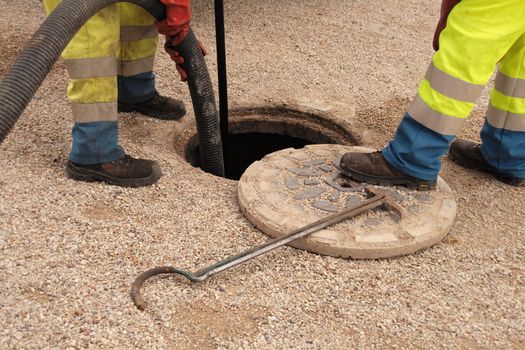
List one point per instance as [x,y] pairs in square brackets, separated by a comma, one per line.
[374,169]
[468,154]
[159,107]
[125,172]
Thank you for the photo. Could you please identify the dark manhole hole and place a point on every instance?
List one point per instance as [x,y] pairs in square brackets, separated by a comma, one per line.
[256,132]
[245,149]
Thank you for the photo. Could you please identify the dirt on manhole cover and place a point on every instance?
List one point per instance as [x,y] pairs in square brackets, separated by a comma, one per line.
[292,188]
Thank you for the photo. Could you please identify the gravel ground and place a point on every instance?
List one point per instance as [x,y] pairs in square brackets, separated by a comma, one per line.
[69,250]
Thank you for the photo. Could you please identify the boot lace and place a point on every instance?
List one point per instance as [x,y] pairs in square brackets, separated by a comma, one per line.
[126,160]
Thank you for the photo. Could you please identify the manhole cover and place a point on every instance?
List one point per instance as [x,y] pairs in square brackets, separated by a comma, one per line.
[292,188]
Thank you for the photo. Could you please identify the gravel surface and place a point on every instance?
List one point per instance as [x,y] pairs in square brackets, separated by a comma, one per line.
[69,251]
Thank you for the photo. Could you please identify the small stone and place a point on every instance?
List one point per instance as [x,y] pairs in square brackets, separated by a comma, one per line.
[336,162]
[371,222]
[304,171]
[334,197]
[403,188]
[292,183]
[352,201]
[398,197]
[395,216]
[311,182]
[424,197]
[343,183]
[326,168]
[314,162]
[415,209]
[326,206]
[310,193]
[380,209]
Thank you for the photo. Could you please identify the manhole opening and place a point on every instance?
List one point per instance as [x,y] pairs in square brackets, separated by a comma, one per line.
[255,133]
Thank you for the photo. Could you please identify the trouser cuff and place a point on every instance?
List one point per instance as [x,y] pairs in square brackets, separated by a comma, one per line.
[416,150]
[95,143]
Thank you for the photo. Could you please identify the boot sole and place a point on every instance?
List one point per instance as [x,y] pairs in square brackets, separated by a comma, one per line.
[80,174]
[412,184]
[460,160]
[152,113]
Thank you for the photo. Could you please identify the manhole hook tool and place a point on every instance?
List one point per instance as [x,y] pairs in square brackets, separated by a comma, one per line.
[379,198]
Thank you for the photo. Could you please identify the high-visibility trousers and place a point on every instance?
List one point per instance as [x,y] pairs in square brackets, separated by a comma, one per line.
[110,59]
[478,35]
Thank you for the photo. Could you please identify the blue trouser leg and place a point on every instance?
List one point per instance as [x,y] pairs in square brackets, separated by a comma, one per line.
[416,150]
[95,142]
[137,88]
[504,150]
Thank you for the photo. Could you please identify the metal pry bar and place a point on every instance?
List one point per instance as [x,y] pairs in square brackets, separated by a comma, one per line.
[379,198]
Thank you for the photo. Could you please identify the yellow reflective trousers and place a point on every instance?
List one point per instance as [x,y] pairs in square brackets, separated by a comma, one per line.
[479,34]
[120,41]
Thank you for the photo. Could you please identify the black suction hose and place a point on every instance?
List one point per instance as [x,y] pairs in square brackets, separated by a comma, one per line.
[223,76]
[203,98]
[44,48]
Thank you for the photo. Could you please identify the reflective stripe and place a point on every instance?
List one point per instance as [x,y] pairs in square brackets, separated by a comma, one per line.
[507,103]
[130,68]
[94,112]
[452,87]
[505,120]
[86,68]
[135,33]
[508,86]
[433,120]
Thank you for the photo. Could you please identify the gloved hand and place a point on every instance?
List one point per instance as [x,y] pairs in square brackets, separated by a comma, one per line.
[446,7]
[177,58]
[176,27]
[178,18]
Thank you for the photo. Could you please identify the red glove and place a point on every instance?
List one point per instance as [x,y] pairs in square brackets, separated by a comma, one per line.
[177,58]
[446,7]
[175,27]
[178,18]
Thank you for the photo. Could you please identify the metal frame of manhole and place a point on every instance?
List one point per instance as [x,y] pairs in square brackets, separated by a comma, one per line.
[316,123]
[291,188]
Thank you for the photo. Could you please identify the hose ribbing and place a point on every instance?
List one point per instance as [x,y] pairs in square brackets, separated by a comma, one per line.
[45,46]
[203,99]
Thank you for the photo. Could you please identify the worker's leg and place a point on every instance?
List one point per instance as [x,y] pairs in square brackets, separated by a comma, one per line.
[136,81]
[90,59]
[503,135]
[478,34]
[139,40]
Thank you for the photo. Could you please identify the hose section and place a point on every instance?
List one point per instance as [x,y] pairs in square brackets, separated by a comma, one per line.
[223,77]
[203,99]
[44,48]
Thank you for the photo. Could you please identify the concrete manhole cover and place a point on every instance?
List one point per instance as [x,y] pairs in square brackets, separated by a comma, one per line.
[292,188]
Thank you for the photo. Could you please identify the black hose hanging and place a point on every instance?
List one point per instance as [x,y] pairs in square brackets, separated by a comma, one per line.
[223,77]
[44,48]
[201,90]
